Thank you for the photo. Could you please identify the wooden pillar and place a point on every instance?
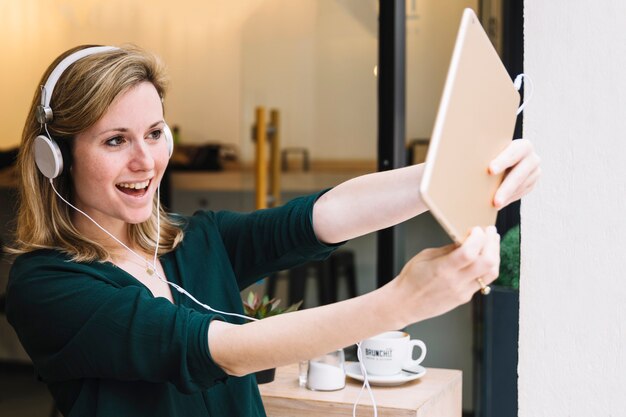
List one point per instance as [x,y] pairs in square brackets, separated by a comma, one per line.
[261,159]
[275,158]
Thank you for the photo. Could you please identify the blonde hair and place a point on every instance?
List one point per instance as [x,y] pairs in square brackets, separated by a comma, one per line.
[81,97]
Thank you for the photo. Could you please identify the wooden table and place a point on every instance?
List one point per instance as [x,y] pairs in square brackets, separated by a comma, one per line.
[436,394]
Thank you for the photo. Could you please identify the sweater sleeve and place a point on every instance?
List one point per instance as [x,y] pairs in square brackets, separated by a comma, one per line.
[270,240]
[75,323]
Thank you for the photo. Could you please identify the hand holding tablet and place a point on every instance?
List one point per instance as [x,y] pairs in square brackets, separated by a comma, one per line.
[474,125]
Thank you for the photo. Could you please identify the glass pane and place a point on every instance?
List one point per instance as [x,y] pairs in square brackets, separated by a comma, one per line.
[314,61]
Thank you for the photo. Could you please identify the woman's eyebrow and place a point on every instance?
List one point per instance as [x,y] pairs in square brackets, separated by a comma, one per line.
[125,129]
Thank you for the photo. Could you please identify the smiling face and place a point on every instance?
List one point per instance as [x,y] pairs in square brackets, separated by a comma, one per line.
[118,162]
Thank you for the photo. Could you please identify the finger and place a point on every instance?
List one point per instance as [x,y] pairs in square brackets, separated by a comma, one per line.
[433,253]
[491,253]
[468,252]
[515,152]
[487,265]
[531,186]
[528,185]
[515,179]
[522,189]
[532,180]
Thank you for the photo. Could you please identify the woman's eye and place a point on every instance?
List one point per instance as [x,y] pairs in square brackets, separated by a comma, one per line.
[116,141]
[156,134]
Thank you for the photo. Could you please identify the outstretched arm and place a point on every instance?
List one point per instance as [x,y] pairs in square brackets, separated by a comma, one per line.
[375,201]
[368,203]
[432,283]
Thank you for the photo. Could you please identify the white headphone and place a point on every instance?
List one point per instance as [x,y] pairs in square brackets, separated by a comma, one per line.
[48,155]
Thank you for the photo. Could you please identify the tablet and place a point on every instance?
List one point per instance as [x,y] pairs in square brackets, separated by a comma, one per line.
[474,123]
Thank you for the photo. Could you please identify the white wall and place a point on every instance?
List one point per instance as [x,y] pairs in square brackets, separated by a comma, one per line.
[572,356]
[200,43]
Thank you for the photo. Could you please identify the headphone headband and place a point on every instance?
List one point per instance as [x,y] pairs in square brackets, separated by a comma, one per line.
[44,112]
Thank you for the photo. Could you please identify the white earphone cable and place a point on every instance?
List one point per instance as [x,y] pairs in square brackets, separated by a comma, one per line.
[366,383]
[528,92]
[153,265]
[158,238]
[45,126]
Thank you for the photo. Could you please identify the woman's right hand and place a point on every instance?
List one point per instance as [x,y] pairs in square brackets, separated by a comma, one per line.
[437,280]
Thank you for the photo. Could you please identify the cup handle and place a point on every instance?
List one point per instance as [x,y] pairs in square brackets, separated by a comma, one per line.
[410,363]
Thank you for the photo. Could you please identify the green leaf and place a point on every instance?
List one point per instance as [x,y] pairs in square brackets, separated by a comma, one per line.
[260,308]
[275,303]
[510,259]
[294,307]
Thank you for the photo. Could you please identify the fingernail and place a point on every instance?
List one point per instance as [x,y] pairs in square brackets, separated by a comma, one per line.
[492,229]
[493,168]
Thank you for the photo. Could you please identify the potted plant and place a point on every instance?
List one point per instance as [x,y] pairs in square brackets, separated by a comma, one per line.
[259,308]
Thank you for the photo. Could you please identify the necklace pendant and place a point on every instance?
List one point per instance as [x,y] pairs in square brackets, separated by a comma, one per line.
[150,271]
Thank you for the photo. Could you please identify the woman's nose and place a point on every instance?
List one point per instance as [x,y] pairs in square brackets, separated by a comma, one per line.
[141,156]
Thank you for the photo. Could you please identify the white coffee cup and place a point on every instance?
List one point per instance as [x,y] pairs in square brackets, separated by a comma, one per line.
[390,352]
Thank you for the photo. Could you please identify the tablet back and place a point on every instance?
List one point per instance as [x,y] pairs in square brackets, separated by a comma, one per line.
[474,123]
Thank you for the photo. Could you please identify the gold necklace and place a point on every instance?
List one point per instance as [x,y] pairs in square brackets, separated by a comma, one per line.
[150,267]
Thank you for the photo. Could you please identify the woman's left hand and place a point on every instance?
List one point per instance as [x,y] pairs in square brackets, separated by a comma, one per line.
[521,166]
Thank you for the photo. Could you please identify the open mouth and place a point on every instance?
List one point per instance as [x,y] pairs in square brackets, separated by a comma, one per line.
[135,189]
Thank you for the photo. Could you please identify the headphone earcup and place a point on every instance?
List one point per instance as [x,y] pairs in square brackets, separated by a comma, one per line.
[169,139]
[48,157]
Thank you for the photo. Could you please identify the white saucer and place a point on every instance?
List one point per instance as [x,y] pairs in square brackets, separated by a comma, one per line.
[353,370]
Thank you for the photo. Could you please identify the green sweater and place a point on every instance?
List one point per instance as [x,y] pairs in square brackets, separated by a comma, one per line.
[106,347]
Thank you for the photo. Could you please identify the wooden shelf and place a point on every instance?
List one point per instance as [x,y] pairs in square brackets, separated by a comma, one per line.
[244,180]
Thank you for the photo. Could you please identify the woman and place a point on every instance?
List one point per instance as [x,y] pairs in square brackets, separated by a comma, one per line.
[110,338]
